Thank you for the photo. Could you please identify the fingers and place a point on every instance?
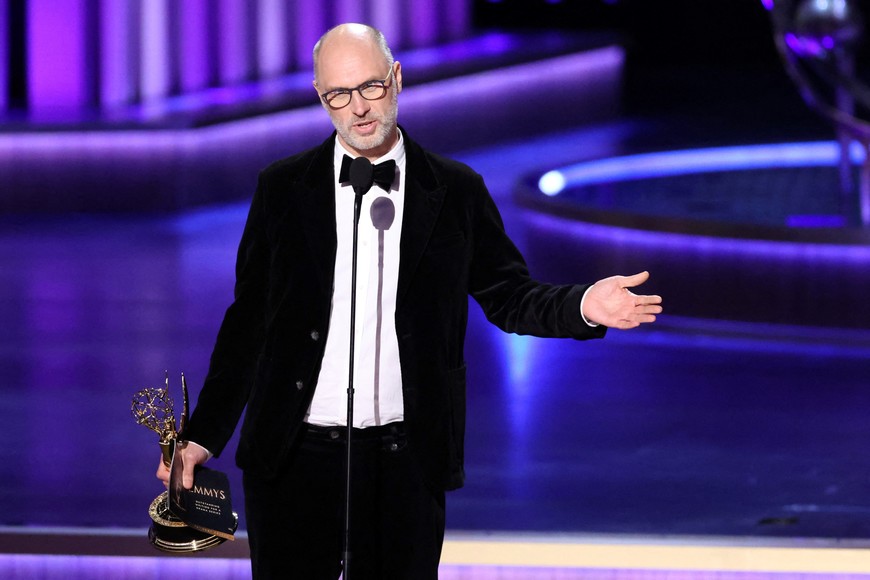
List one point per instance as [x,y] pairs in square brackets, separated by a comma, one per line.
[635,320]
[190,460]
[627,324]
[646,299]
[191,457]
[646,308]
[642,300]
[649,304]
[163,473]
[187,477]
[194,455]
[643,311]
[635,280]
[645,319]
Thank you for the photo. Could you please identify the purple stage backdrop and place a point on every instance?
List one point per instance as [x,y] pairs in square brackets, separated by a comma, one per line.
[92,54]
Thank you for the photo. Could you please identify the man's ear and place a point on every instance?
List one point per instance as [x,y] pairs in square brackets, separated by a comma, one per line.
[317,90]
[397,74]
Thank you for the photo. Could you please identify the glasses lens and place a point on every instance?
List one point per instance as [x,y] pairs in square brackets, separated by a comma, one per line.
[373,91]
[337,99]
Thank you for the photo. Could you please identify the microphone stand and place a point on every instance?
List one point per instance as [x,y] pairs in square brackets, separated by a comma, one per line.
[361,179]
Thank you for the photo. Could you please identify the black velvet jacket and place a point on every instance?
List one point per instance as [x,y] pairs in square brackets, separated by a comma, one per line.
[271,342]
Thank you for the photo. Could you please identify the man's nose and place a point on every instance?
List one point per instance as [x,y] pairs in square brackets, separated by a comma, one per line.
[358,104]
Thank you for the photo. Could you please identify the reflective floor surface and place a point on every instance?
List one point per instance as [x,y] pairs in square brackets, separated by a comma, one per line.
[731,427]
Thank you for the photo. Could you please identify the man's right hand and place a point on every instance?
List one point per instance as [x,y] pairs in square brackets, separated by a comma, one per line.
[192,454]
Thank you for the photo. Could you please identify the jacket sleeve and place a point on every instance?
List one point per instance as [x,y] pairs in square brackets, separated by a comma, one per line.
[500,282]
[239,341]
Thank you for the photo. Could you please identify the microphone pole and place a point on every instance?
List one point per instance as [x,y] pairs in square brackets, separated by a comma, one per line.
[361,179]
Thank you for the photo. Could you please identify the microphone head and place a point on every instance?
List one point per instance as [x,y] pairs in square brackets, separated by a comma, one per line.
[362,175]
[383,213]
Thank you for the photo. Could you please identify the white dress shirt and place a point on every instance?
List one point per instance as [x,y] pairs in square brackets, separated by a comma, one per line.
[377,373]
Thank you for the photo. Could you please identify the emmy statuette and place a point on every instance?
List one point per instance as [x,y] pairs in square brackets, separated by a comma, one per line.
[153,408]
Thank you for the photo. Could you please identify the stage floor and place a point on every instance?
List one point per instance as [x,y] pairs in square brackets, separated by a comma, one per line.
[736,427]
[98,555]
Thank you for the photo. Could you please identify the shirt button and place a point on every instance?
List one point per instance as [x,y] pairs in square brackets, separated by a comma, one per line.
[299,385]
[315,336]
[394,446]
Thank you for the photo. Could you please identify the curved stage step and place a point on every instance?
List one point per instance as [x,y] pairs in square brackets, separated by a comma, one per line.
[751,233]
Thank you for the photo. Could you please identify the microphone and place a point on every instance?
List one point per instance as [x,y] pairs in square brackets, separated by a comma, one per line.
[362,175]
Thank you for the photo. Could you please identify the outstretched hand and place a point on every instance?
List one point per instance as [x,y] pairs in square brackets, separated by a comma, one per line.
[609,302]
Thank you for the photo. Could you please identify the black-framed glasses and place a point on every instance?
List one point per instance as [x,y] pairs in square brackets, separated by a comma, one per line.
[370,91]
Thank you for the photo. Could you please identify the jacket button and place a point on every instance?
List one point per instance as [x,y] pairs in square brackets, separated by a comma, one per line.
[315,336]
[299,385]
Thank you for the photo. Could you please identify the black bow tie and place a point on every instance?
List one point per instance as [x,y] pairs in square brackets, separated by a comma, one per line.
[384,172]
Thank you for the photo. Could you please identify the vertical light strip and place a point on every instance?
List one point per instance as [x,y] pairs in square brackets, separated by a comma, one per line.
[193,46]
[310,24]
[422,22]
[233,56]
[456,19]
[272,39]
[154,54]
[4,55]
[56,69]
[349,11]
[387,16]
[116,85]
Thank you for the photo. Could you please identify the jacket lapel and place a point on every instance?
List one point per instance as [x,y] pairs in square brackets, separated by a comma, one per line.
[317,204]
[424,197]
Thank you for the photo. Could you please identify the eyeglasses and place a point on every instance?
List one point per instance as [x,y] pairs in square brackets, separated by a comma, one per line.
[370,91]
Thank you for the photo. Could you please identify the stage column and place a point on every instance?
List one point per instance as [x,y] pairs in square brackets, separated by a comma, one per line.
[4,55]
[155,50]
[272,45]
[59,76]
[236,62]
[119,66]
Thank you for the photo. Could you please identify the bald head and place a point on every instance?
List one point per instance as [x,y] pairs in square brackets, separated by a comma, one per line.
[351,37]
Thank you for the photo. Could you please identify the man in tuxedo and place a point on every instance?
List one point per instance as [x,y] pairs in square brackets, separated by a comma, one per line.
[430,236]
